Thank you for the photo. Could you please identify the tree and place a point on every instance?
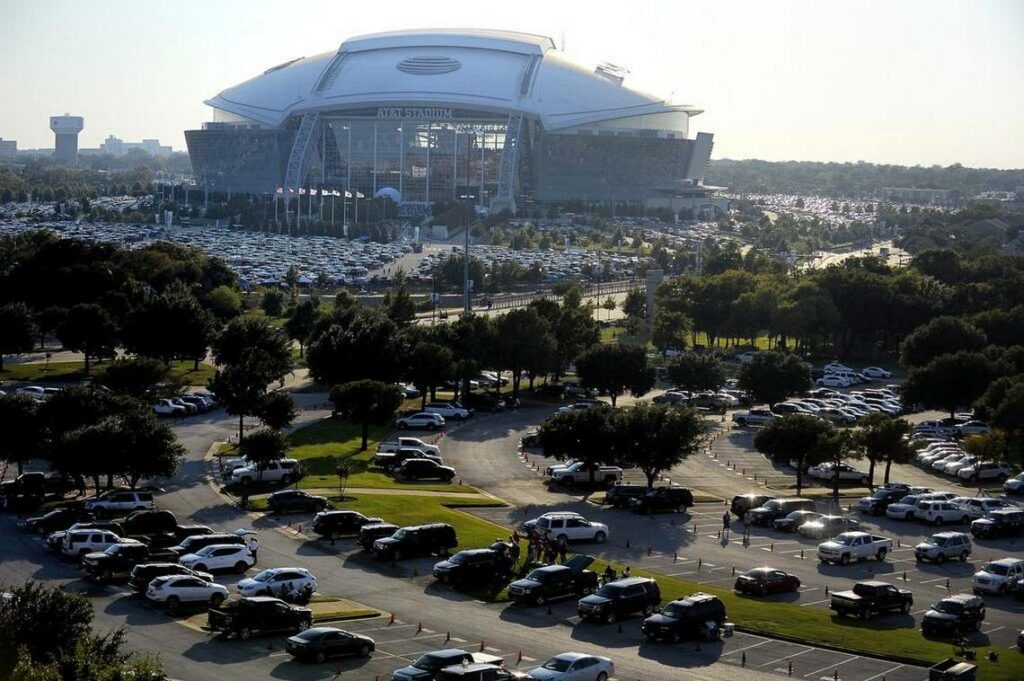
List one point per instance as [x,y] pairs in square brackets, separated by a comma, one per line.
[835,448]
[48,321]
[585,435]
[656,438]
[262,447]
[771,377]
[523,342]
[609,306]
[224,302]
[169,326]
[669,330]
[301,320]
[277,410]
[616,369]
[18,331]
[88,329]
[635,309]
[272,302]
[796,437]
[985,447]
[694,373]
[365,402]
[143,378]
[949,381]
[430,365]
[22,432]
[940,336]
[882,439]
[370,337]
[397,303]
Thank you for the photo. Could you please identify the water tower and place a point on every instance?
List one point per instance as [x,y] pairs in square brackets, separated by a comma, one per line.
[66,129]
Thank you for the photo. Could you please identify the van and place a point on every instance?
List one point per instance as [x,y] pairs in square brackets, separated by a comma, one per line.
[778,508]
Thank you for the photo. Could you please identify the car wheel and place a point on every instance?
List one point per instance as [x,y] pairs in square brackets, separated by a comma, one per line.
[601,677]
[286,478]
[216,599]
[266,592]
[240,567]
[364,650]
[964,520]
[648,610]
[540,599]
[673,637]
[320,656]
[431,426]
[763,591]
[881,555]
[864,481]
[173,602]
[940,558]
[245,633]
[905,608]
[844,559]
[600,537]
[563,538]
[398,554]
[1001,477]
[611,617]
[972,479]
[864,614]
[963,556]
[938,521]
[305,624]
[1002,589]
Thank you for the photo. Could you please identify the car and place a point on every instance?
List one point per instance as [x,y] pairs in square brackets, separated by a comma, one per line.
[401,443]
[854,546]
[164,407]
[187,406]
[828,526]
[34,391]
[905,508]
[1014,485]
[574,667]
[142,575]
[794,519]
[619,598]
[426,666]
[448,410]
[294,500]
[416,540]
[551,582]
[985,470]
[672,397]
[876,372]
[79,543]
[753,417]
[1003,522]
[742,503]
[474,568]
[583,473]
[176,590]
[973,427]
[867,598]
[484,402]
[332,524]
[119,502]
[249,615]
[997,577]
[832,381]
[777,508]
[829,471]
[978,507]
[55,540]
[410,391]
[117,561]
[419,420]
[577,406]
[233,557]
[424,469]
[531,439]
[317,644]
[943,546]
[837,367]
[621,493]
[192,544]
[879,501]
[686,617]
[744,357]
[765,580]
[954,615]
[570,526]
[938,512]
[669,499]
[277,581]
[57,519]
[841,415]
[481,672]
[371,532]
[282,470]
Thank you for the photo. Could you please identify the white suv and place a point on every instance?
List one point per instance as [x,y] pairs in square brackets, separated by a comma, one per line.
[986,470]
[571,526]
[448,410]
[284,470]
[219,557]
[979,507]
[78,543]
[423,419]
[753,417]
[120,502]
[277,582]
[173,590]
[998,576]
[939,512]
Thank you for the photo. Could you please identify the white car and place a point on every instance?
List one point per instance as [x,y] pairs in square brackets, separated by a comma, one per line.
[906,507]
[120,502]
[78,543]
[832,381]
[979,507]
[577,406]
[998,576]
[836,368]
[284,470]
[973,428]
[165,407]
[951,467]
[574,667]
[828,471]
[939,512]
[876,372]
[33,391]
[985,470]
[173,590]
[421,419]
[277,582]
[219,557]
[753,417]
[571,526]
[1014,485]
[448,410]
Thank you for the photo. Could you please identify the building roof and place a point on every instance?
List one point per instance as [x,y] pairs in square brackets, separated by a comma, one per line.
[490,70]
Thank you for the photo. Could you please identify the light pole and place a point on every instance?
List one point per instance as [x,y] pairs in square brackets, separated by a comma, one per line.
[401,163]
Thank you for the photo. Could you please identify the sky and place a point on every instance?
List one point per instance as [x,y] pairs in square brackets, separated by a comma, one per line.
[911,82]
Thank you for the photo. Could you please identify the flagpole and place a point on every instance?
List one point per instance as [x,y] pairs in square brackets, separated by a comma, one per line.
[332,212]
[298,210]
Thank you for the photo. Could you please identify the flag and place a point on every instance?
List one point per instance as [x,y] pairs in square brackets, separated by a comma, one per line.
[359,195]
[280,190]
[336,193]
[348,195]
[290,190]
[312,192]
[302,191]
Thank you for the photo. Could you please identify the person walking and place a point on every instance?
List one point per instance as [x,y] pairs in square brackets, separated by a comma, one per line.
[563,550]
[726,524]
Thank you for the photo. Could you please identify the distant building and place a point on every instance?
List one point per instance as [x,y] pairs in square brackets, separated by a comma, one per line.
[8,148]
[115,146]
[65,129]
[941,197]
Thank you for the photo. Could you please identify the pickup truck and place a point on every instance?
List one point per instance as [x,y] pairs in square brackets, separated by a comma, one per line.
[580,473]
[247,616]
[116,563]
[36,484]
[853,546]
[391,460]
[555,581]
[868,598]
[407,443]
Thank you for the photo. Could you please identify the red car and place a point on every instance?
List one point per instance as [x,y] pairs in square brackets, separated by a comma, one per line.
[765,580]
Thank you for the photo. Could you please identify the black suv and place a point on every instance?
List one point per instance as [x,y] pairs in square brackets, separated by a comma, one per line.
[57,519]
[291,500]
[332,524]
[555,581]
[621,493]
[1002,522]
[418,540]
[880,500]
[420,469]
[484,402]
[621,597]
[685,618]
[474,567]
[372,532]
[954,615]
[744,502]
[663,499]
[777,508]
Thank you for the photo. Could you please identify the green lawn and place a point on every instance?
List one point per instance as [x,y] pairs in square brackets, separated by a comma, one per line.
[74,371]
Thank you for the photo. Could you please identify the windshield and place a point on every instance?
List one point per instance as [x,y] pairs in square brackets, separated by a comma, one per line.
[399,534]
[111,550]
[536,576]
[608,591]
[674,610]
[458,559]
[205,551]
[558,664]
[843,539]
[771,505]
[429,663]
[263,576]
[950,607]
[996,569]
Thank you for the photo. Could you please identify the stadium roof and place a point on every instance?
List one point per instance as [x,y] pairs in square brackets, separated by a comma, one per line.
[491,70]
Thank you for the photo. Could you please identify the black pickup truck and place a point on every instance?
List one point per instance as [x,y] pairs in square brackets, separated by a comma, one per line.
[868,598]
[116,563]
[247,616]
[36,484]
[555,581]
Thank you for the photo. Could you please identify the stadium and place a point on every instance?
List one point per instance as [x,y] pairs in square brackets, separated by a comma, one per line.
[502,119]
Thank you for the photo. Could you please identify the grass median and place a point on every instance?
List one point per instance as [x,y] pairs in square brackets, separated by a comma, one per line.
[67,372]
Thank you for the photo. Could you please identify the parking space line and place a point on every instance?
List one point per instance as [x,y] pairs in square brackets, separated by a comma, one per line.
[989,631]
[787,657]
[832,666]
[754,645]
[883,674]
[804,605]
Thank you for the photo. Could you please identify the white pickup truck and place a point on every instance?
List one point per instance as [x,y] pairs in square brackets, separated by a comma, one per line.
[579,473]
[853,546]
[407,443]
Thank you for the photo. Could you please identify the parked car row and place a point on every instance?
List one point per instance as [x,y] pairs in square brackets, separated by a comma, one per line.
[946,457]
[185,404]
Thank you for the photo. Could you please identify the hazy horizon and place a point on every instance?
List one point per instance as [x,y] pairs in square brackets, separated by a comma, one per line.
[913,83]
